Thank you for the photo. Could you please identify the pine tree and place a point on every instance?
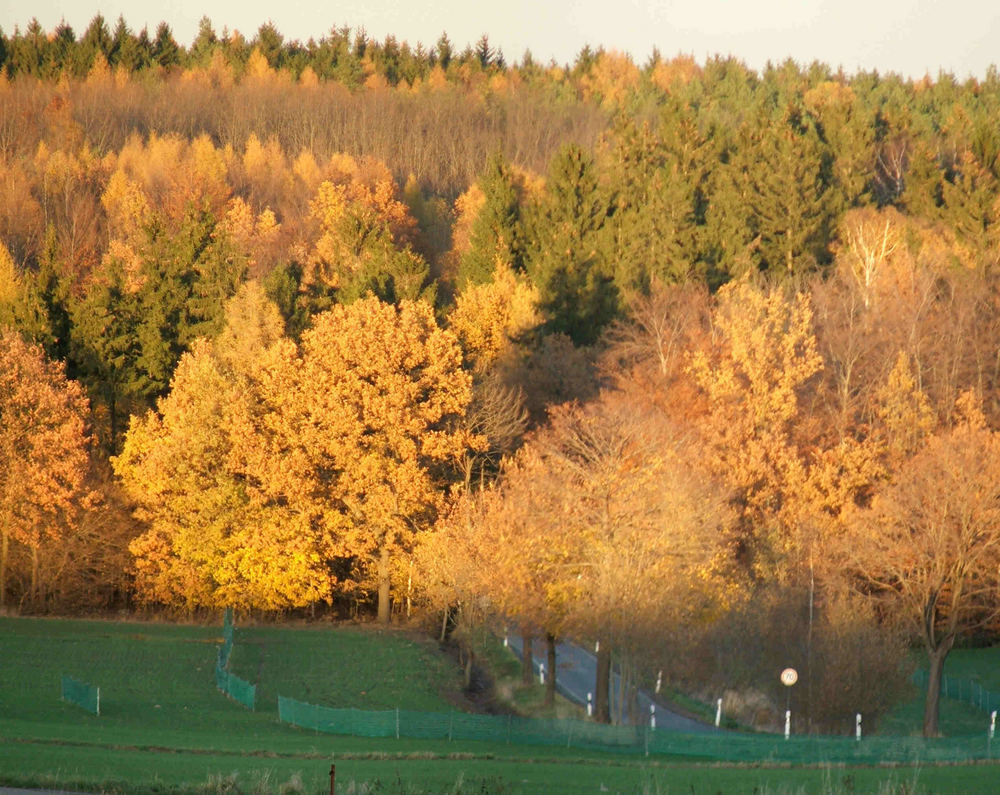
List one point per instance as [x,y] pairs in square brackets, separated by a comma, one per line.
[106,349]
[29,51]
[187,275]
[567,260]
[204,44]
[96,39]
[62,50]
[497,234]
[655,179]
[773,195]
[166,51]
[125,51]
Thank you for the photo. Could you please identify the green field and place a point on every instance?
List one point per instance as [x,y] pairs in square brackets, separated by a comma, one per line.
[164,728]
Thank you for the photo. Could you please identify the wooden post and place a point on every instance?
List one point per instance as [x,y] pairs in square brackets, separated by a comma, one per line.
[333,779]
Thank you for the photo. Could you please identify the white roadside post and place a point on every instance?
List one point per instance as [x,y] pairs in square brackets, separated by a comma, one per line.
[857,727]
[990,733]
[652,716]
[718,712]
[590,705]
[788,678]
[541,673]
[659,681]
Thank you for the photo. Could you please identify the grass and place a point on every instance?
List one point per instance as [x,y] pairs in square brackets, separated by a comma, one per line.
[365,669]
[165,729]
[145,771]
[957,717]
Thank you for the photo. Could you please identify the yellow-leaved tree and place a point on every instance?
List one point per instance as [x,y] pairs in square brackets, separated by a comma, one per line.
[215,536]
[375,426]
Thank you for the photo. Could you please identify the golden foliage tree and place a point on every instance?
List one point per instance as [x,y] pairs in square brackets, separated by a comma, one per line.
[929,546]
[752,375]
[43,450]
[377,417]
[647,520]
[214,537]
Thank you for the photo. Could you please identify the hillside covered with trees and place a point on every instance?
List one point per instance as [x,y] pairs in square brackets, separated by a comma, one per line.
[697,362]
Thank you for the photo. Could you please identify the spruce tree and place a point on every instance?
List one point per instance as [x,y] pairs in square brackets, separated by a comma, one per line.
[96,39]
[106,350]
[166,52]
[568,260]
[771,204]
[497,233]
[655,179]
[188,273]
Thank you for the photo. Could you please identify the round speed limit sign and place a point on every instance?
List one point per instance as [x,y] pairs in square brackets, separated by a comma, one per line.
[789,677]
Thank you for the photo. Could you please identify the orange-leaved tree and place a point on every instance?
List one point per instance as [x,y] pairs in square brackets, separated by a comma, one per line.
[763,353]
[930,543]
[43,450]
[647,519]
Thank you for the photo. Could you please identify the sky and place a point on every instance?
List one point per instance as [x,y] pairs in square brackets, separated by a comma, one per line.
[909,37]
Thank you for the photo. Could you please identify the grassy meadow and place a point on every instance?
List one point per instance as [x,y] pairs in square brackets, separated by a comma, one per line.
[165,728]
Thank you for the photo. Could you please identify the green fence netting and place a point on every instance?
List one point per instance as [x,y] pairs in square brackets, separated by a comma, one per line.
[81,694]
[717,746]
[227,638]
[966,690]
[240,690]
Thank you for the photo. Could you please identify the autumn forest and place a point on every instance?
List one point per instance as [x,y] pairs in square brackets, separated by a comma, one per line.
[697,362]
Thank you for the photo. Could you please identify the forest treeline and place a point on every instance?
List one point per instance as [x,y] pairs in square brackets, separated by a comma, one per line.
[596,349]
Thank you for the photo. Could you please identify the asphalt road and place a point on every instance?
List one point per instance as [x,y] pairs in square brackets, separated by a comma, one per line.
[576,672]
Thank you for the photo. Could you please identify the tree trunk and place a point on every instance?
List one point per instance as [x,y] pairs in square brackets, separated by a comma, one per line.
[932,703]
[602,685]
[527,673]
[113,418]
[444,625]
[4,544]
[34,575]
[550,669]
[469,659]
[383,586]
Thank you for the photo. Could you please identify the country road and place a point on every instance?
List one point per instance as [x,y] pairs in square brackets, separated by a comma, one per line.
[575,676]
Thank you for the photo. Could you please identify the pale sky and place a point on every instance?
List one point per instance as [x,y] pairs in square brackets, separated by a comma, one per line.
[911,37]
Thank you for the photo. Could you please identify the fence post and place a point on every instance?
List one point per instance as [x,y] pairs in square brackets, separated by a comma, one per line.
[333,779]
